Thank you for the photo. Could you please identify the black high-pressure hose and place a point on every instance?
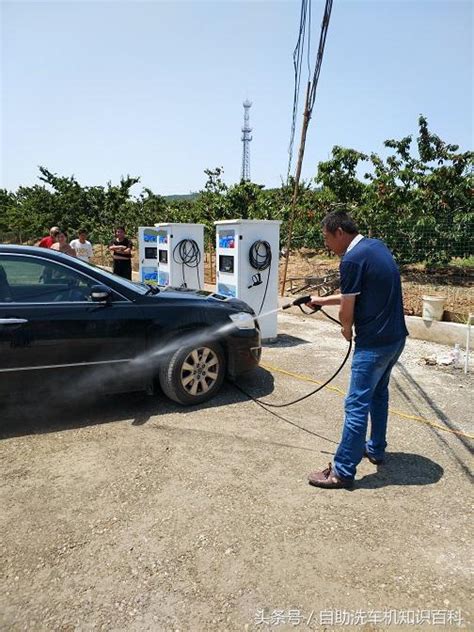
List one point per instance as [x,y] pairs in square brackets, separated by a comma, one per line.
[260,258]
[300,302]
[189,256]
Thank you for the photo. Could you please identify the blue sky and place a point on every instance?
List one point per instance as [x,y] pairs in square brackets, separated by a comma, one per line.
[155,89]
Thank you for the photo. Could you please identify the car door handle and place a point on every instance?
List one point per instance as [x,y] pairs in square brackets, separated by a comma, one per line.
[12,321]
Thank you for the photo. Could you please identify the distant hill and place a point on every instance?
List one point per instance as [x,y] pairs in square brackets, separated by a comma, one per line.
[188,196]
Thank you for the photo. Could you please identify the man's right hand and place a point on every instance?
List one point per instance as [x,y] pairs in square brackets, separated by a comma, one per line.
[315,302]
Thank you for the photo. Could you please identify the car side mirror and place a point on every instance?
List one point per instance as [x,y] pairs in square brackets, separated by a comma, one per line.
[101,294]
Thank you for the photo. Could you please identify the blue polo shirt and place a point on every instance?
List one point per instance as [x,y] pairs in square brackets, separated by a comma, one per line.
[369,272]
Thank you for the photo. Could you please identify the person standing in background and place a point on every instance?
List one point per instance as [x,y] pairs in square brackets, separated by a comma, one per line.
[48,241]
[121,249]
[61,245]
[82,247]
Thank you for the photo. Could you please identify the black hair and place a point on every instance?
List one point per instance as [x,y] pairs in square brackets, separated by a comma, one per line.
[339,219]
[82,231]
[120,228]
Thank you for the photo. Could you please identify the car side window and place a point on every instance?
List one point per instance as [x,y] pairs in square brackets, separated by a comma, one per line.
[29,280]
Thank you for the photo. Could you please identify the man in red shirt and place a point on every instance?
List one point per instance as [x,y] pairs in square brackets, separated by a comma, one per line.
[48,241]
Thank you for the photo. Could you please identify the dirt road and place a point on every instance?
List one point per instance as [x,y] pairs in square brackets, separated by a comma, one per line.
[134,514]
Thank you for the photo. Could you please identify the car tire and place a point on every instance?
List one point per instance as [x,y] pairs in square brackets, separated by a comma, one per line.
[193,374]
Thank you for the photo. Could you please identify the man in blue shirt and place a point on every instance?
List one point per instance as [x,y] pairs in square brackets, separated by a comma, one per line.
[371,302]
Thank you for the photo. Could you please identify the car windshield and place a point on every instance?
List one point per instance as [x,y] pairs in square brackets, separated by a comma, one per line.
[142,288]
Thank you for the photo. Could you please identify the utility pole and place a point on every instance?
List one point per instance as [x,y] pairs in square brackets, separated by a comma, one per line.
[304,130]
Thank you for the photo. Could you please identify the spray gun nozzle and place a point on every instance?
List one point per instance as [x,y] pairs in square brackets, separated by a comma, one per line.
[256,280]
[302,300]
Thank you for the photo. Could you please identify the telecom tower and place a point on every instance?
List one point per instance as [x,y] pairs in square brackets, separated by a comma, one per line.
[246,138]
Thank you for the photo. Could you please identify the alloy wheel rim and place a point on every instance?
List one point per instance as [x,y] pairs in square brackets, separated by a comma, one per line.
[199,371]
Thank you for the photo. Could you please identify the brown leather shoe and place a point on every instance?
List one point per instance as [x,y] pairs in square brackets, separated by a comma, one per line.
[328,479]
[372,460]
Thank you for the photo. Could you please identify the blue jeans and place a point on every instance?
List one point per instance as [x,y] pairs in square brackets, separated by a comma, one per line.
[368,393]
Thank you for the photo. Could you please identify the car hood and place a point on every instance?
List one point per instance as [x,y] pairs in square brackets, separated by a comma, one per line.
[234,304]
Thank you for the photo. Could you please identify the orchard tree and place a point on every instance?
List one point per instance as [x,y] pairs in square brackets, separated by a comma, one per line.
[418,200]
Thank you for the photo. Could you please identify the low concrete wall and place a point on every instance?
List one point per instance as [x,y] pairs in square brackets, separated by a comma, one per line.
[436,331]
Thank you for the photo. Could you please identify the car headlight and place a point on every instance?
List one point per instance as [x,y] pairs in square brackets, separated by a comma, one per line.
[243,320]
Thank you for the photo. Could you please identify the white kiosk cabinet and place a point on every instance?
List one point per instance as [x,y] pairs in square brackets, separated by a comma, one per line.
[180,255]
[247,255]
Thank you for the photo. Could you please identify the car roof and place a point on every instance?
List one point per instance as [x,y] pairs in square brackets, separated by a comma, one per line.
[27,249]
[97,272]
[45,253]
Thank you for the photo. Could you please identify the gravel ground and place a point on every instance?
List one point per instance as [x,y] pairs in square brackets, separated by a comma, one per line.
[134,514]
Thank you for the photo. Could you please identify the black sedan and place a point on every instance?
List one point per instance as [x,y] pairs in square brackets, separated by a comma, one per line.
[65,322]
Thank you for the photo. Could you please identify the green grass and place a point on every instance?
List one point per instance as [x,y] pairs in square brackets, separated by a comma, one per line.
[468,262]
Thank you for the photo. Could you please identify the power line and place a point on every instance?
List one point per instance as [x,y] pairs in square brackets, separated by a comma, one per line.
[305,18]
[304,33]
[309,104]
[319,59]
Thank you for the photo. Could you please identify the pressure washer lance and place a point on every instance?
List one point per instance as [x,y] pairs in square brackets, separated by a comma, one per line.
[299,302]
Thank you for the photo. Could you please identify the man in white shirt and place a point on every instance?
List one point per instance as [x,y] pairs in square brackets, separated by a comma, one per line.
[82,247]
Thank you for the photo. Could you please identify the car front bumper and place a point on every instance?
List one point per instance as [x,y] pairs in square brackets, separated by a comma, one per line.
[244,350]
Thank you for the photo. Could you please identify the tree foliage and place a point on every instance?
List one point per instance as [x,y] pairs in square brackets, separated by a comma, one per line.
[417,198]
[419,201]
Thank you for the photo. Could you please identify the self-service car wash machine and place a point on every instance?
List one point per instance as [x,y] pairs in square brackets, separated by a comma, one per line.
[147,255]
[247,267]
[172,254]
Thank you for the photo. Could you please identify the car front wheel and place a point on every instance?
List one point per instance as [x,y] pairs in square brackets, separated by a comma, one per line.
[193,374]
